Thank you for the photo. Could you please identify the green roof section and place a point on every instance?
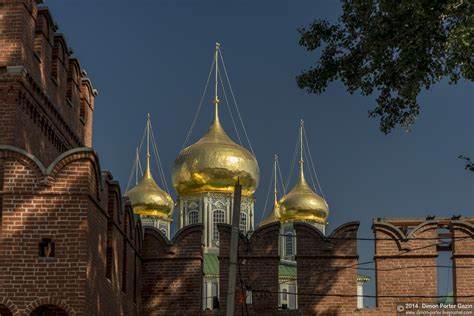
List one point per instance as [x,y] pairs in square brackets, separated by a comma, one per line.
[211,265]
[286,271]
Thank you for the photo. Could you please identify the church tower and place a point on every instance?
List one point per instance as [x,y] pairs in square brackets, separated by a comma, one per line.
[149,201]
[204,175]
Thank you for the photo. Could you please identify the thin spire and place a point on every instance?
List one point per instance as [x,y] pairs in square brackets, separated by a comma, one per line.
[137,165]
[275,191]
[216,99]
[301,151]
[148,171]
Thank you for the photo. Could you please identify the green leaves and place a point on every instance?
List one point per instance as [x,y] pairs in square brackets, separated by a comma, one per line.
[393,50]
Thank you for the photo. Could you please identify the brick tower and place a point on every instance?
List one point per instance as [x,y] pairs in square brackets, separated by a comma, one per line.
[68,244]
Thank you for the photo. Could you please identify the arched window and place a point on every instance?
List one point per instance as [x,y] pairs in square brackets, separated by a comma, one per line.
[289,244]
[193,217]
[284,296]
[218,217]
[243,222]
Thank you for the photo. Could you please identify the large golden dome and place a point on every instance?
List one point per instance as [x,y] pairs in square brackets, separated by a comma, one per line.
[214,163]
[149,199]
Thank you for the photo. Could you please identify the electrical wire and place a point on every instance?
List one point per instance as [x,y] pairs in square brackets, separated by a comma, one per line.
[327,238]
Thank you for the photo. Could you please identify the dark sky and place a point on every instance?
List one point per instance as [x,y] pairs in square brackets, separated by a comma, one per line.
[154,56]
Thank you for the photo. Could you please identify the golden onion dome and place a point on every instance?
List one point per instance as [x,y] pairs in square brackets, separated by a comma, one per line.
[149,199]
[214,163]
[273,217]
[302,203]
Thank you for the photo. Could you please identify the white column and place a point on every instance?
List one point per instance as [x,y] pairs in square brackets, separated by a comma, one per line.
[203,209]
[228,204]
[252,220]
[360,298]
[181,217]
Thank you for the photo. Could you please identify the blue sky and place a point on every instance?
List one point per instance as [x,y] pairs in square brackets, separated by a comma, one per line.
[154,56]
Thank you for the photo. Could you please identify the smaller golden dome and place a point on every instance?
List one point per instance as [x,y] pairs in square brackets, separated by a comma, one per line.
[273,217]
[303,204]
[149,199]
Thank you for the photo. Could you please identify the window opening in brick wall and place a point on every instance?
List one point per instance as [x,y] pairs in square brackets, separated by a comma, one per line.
[248,297]
[46,248]
[444,259]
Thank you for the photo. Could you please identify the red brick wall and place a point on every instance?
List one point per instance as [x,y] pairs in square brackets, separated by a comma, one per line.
[41,85]
[326,267]
[463,256]
[67,203]
[172,272]
[258,260]
[401,265]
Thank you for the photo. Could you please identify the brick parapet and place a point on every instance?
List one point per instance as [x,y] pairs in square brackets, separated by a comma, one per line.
[67,203]
[172,272]
[41,85]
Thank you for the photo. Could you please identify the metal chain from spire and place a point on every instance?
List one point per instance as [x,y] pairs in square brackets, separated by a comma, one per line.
[281,178]
[235,102]
[230,112]
[158,160]
[312,165]
[292,163]
[138,167]
[199,107]
[135,162]
[311,177]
